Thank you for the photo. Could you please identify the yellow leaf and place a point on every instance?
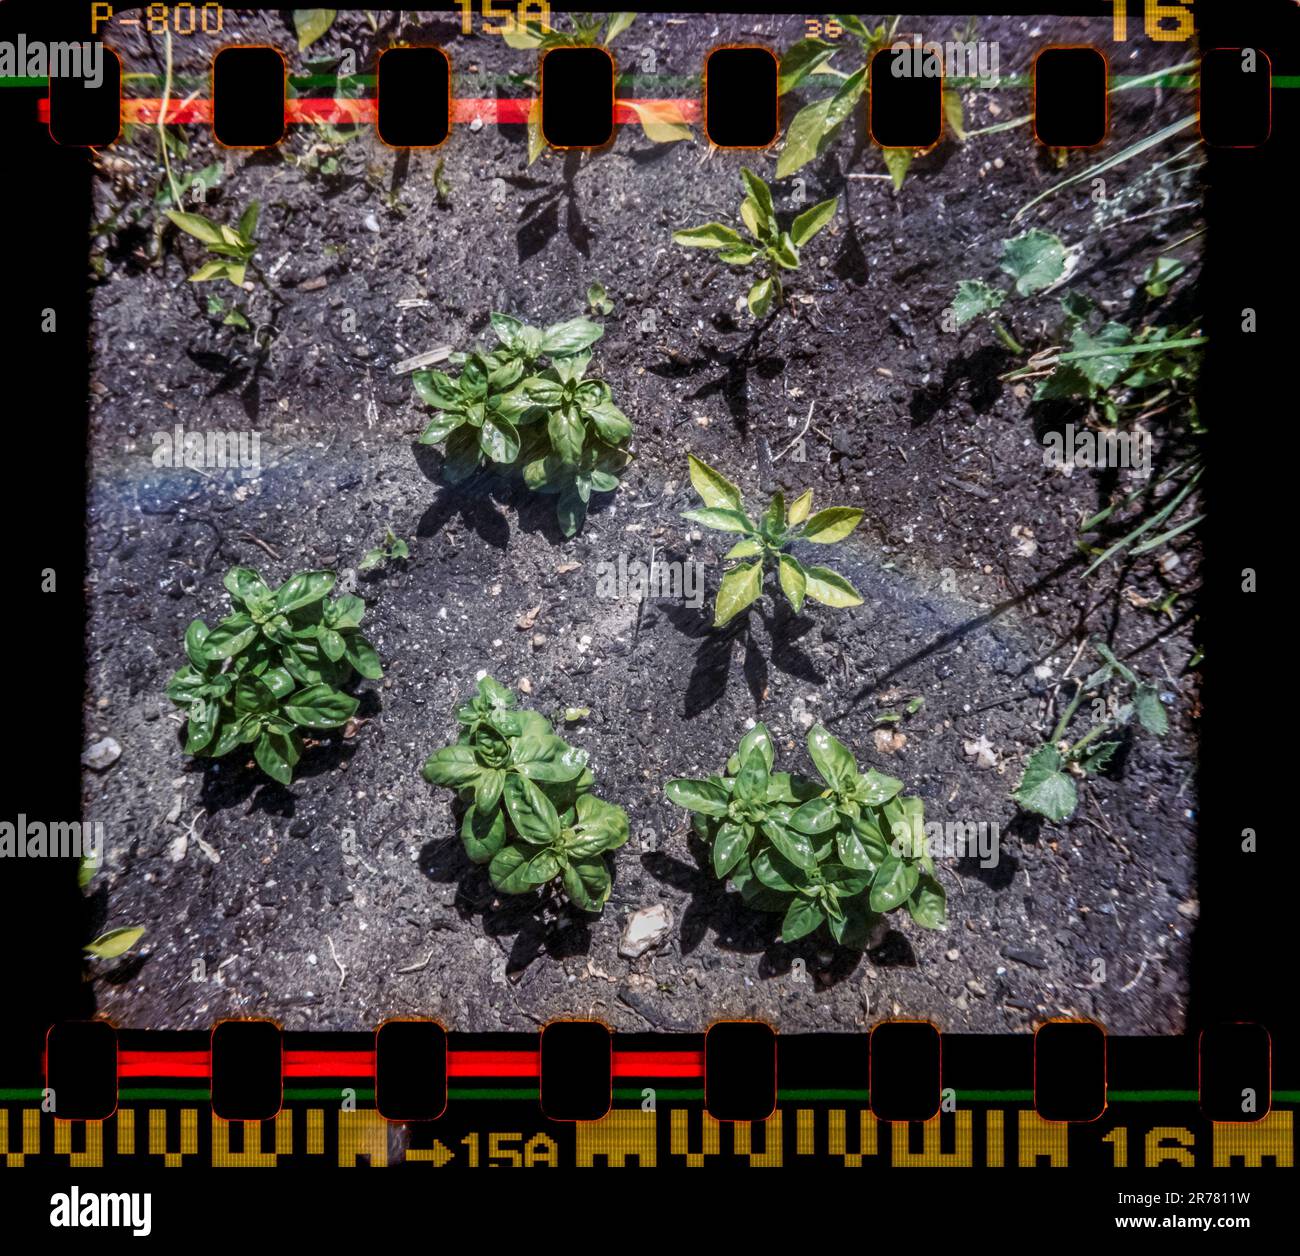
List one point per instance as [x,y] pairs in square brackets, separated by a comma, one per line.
[536,140]
[115,942]
[661,120]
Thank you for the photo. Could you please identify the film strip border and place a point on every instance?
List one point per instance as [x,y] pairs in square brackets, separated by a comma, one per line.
[903,1095]
[1070,1071]
[577,106]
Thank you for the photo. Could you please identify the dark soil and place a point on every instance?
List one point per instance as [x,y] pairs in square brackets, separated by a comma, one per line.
[908,422]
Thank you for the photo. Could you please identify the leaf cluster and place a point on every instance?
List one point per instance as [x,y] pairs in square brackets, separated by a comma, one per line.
[1047,786]
[552,422]
[232,247]
[273,667]
[764,543]
[531,815]
[815,127]
[838,851]
[392,549]
[587,30]
[770,247]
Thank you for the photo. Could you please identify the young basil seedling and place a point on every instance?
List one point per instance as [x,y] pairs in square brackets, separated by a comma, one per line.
[840,851]
[392,549]
[764,545]
[772,249]
[271,668]
[531,815]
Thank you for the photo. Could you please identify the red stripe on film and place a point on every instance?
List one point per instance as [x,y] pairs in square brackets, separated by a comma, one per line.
[343,112]
[362,1064]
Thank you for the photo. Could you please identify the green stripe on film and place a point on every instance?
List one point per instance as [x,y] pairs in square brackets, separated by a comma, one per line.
[636,1093]
[327,1092]
[489,1092]
[200,1093]
[19,1094]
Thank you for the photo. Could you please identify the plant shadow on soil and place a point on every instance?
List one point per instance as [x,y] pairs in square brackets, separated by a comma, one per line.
[737,364]
[735,927]
[479,502]
[537,922]
[221,787]
[711,671]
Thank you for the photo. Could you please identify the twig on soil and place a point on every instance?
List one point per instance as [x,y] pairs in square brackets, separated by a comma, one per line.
[1156,213]
[415,968]
[1142,968]
[248,536]
[428,358]
[343,972]
[799,437]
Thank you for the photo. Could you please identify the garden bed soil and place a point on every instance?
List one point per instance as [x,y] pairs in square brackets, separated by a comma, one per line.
[347,897]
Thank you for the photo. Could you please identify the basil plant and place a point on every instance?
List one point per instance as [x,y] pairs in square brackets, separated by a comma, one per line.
[273,667]
[530,813]
[834,853]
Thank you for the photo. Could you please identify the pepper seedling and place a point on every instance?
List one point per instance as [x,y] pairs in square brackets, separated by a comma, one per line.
[770,248]
[764,545]
[233,246]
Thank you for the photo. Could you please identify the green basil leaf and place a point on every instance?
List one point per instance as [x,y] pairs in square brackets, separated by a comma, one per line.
[729,847]
[803,917]
[303,589]
[229,637]
[487,789]
[532,813]
[817,815]
[893,884]
[547,758]
[928,903]
[272,752]
[571,337]
[361,654]
[702,796]
[832,759]
[587,883]
[484,833]
[321,706]
[195,635]
[796,847]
